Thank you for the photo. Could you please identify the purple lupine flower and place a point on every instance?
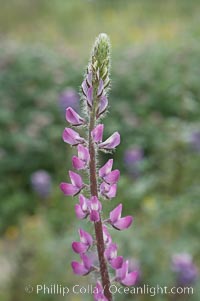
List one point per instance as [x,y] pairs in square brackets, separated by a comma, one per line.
[111,255]
[107,190]
[83,208]
[71,137]
[82,161]
[85,243]
[99,292]
[97,133]
[102,106]
[41,183]
[132,158]
[74,118]
[69,98]
[106,236]
[84,267]
[111,142]
[95,209]
[76,186]
[124,276]
[195,140]
[94,97]
[118,222]
[183,266]
[110,177]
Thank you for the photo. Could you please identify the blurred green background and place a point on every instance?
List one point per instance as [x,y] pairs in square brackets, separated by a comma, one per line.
[154,104]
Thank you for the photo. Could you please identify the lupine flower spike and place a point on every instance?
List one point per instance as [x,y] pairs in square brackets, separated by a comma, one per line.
[102,181]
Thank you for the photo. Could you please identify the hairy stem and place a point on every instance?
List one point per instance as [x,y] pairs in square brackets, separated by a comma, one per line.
[98,225]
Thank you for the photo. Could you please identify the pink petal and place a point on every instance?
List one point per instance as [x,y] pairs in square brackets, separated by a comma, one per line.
[76,179]
[95,204]
[99,292]
[73,118]
[106,235]
[80,214]
[89,79]
[109,191]
[112,191]
[71,137]
[115,214]
[83,153]
[83,202]
[84,87]
[116,263]
[78,163]
[111,142]
[97,133]
[106,169]
[112,177]
[130,279]
[111,251]
[123,271]
[79,247]
[85,237]
[123,223]
[90,96]
[94,216]
[79,268]
[86,261]
[103,103]
[69,189]
[100,88]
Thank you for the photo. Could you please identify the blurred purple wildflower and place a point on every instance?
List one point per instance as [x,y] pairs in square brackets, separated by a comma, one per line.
[183,266]
[132,157]
[68,98]
[195,141]
[41,183]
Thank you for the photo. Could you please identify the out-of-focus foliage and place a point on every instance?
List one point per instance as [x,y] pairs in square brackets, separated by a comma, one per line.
[154,104]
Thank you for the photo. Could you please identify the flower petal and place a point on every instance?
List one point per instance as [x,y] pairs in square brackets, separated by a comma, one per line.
[106,235]
[84,87]
[111,142]
[123,223]
[79,247]
[85,237]
[78,163]
[80,214]
[95,204]
[71,137]
[73,118]
[94,216]
[115,214]
[90,96]
[100,88]
[111,251]
[103,103]
[76,179]
[116,263]
[122,272]
[83,153]
[112,177]
[83,202]
[130,279]
[109,191]
[89,79]
[79,268]
[69,189]
[86,261]
[97,133]
[106,168]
